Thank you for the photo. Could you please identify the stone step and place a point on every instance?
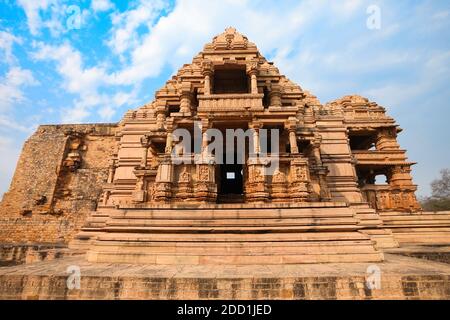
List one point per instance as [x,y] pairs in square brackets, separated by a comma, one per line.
[233,213]
[417,217]
[407,223]
[421,229]
[246,238]
[240,229]
[94,256]
[215,206]
[226,249]
[229,222]
[232,234]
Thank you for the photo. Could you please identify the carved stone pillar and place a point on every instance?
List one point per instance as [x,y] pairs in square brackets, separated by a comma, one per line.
[160,114]
[111,171]
[186,98]
[169,142]
[256,186]
[207,85]
[140,191]
[401,183]
[145,142]
[255,126]
[292,128]
[184,185]
[279,187]
[205,186]
[207,73]
[164,180]
[275,95]
[293,141]
[321,171]
[299,180]
[387,139]
[252,71]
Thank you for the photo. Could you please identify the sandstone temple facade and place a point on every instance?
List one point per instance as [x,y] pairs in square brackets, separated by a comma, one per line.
[114,191]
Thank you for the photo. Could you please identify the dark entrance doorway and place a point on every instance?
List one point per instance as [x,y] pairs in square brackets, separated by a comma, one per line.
[231,179]
[231,175]
[231,183]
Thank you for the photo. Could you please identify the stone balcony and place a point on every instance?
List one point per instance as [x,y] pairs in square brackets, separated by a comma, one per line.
[230,102]
[379,157]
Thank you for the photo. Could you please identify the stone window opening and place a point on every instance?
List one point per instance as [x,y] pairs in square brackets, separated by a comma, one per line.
[194,101]
[173,109]
[381,179]
[372,176]
[266,98]
[364,141]
[304,146]
[160,147]
[229,79]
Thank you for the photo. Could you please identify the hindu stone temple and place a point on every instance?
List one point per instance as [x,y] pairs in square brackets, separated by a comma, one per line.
[341,191]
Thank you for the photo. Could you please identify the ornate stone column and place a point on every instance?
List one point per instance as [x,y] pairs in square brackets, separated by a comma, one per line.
[169,141]
[401,185]
[145,142]
[205,185]
[256,186]
[207,72]
[299,180]
[275,95]
[184,185]
[321,171]
[186,98]
[142,172]
[280,191]
[252,71]
[291,126]
[111,171]
[160,114]
[387,139]
[164,180]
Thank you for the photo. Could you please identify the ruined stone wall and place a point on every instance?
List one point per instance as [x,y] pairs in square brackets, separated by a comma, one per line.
[57,182]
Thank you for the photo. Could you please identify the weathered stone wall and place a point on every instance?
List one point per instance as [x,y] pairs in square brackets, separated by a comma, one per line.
[51,193]
[15,254]
[33,287]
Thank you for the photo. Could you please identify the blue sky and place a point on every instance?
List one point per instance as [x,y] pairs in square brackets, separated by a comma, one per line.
[92,60]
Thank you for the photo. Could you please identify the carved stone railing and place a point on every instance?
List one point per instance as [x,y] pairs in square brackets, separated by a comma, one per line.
[378,157]
[364,114]
[230,102]
[387,198]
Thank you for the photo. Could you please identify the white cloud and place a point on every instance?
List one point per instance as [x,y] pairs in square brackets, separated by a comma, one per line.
[58,16]
[174,39]
[7,40]
[33,11]
[84,82]
[101,5]
[11,87]
[433,69]
[8,123]
[125,25]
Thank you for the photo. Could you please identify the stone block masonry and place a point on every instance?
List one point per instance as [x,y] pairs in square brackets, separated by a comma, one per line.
[58,181]
[401,278]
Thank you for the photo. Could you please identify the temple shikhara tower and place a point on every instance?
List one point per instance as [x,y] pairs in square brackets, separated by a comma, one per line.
[341,190]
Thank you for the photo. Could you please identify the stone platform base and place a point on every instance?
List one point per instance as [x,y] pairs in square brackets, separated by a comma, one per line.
[401,278]
[418,228]
[235,234]
[439,253]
